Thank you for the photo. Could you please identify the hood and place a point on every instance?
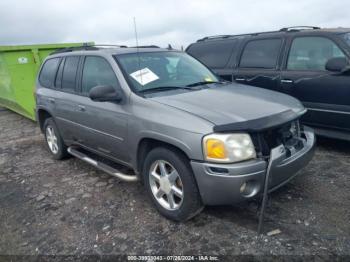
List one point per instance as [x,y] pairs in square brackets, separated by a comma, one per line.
[235,106]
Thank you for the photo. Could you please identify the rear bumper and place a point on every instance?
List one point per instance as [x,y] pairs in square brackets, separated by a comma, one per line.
[221,184]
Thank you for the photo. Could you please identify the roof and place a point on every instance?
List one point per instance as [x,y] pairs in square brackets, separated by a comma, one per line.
[128,50]
[110,49]
[282,31]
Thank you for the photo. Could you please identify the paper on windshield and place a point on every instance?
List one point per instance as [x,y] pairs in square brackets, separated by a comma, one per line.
[144,76]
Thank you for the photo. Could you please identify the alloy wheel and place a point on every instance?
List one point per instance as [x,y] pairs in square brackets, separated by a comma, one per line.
[51,139]
[166,185]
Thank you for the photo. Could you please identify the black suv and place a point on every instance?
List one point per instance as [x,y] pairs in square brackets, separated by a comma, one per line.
[308,63]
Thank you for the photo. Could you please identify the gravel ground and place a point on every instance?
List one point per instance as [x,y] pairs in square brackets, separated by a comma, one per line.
[68,208]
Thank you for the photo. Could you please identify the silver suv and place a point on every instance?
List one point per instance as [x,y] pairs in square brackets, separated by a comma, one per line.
[192,139]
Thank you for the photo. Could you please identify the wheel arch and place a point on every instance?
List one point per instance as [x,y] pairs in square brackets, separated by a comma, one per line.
[146,144]
[42,115]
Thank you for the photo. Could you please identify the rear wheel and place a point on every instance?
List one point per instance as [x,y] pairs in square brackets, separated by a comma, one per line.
[54,141]
[171,185]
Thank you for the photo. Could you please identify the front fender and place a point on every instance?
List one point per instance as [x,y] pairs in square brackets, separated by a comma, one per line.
[189,143]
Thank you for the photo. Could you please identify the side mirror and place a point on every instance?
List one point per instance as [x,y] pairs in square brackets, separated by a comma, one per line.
[104,94]
[336,64]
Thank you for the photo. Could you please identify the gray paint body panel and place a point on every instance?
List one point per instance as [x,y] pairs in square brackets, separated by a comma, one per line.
[232,103]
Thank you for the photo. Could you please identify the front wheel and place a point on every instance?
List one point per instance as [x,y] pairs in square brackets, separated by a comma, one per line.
[54,141]
[170,183]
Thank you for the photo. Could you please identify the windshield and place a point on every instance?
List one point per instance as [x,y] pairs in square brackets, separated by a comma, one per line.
[157,70]
[347,38]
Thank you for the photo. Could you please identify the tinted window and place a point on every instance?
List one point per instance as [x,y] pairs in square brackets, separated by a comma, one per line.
[70,72]
[97,72]
[312,53]
[48,72]
[58,81]
[347,38]
[214,54]
[261,54]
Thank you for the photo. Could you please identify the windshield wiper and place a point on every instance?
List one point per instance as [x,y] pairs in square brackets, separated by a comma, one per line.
[200,83]
[166,88]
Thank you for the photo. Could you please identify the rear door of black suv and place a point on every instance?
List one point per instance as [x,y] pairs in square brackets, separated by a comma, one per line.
[259,62]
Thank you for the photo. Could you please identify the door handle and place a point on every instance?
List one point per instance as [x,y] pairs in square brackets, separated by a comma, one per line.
[286,81]
[52,100]
[240,79]
[81,108]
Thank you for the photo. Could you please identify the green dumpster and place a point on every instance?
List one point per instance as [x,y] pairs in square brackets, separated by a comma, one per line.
[18,69]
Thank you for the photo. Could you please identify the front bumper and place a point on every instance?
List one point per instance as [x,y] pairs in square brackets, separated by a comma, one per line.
[221,184]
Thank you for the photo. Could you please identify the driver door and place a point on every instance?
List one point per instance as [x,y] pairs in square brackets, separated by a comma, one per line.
[325,94]
[104,123]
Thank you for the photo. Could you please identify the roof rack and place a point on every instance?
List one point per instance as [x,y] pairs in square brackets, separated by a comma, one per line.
[73,48]
[232,36]
[285,29]
[108,45]
[216,36]
[87,46]
[145,46]
[297,28]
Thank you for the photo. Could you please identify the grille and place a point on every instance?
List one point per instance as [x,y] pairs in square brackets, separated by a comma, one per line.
[287,134]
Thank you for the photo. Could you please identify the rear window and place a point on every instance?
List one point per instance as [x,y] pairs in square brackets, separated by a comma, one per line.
[261,54]
[70,72]
[48,72]
[214,54]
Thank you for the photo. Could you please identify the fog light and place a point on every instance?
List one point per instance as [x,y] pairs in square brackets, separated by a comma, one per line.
[249,188]
[243,187]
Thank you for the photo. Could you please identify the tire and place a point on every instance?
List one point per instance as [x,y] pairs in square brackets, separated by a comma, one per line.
[169,202]
[59,150]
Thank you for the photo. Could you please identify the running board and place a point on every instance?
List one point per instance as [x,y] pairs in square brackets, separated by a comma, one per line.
[105,168]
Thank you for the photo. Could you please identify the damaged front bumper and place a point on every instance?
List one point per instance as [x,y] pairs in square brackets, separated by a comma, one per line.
[221,184]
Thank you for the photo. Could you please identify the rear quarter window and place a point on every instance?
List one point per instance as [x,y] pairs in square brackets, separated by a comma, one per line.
[261,53]
[214,54]
[48,72]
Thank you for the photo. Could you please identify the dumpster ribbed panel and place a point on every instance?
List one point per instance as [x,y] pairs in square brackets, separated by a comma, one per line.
[19,66]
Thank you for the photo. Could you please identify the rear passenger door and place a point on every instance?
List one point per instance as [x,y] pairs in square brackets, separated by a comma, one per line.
[325,94]
[104,123]
[259,63]
[65,98]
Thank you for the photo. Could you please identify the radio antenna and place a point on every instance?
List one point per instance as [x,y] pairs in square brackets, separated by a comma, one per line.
[137,50]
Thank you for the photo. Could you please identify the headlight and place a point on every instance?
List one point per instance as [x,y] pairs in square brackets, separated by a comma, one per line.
[228,148]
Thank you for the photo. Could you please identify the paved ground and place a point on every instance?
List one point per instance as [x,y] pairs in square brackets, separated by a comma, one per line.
[67,207]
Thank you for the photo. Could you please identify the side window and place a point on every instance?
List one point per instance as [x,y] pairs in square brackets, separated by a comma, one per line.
[312,53]
[97,71]
[70,72]
[261,54]
[48,72]
[58,81]
[214,54]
